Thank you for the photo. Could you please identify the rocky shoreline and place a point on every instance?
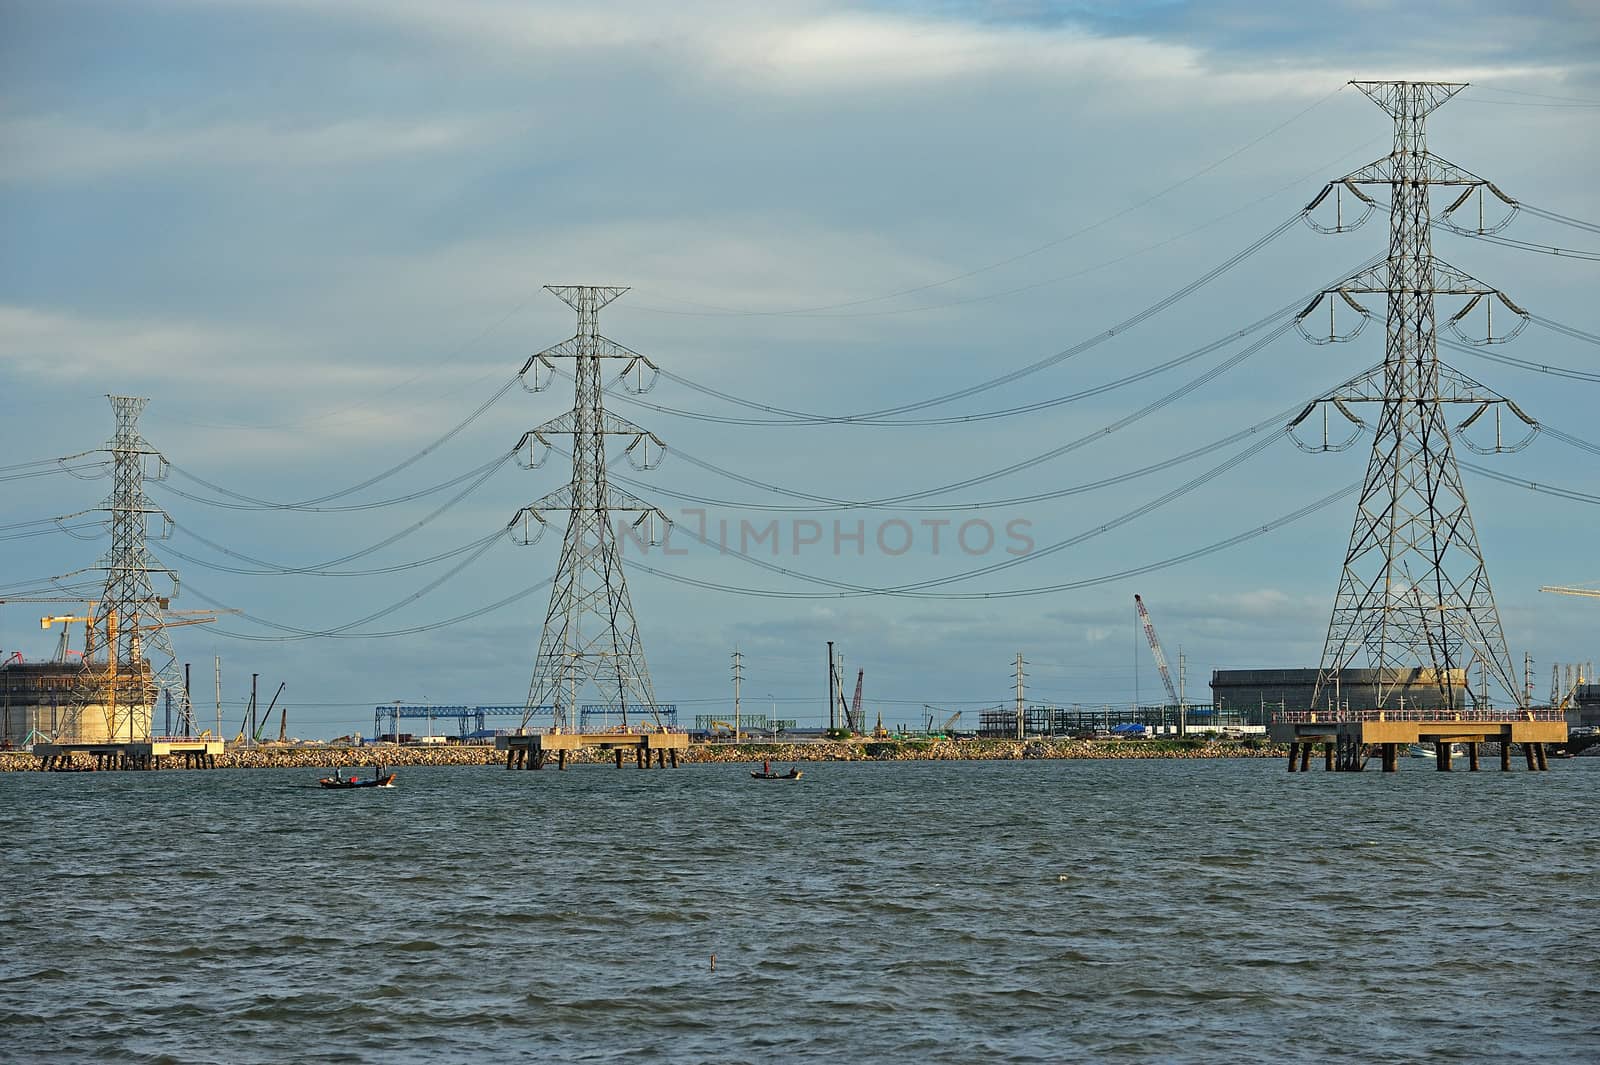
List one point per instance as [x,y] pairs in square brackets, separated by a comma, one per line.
[943,750]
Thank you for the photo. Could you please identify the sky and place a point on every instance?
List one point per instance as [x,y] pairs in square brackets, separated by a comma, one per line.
[316,235]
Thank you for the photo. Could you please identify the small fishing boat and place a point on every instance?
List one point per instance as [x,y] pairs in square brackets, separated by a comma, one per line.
[379,779]
[1426,750]
[758,774]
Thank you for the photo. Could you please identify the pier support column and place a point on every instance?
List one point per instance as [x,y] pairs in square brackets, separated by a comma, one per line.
[1472,756]
[1540,754]
[1391,757]
[561,759]
[1505,755]
[1294,755]
[1441,756]
[1305,757]
[619,757]
[1327,757]
[674,757]
[1533,759]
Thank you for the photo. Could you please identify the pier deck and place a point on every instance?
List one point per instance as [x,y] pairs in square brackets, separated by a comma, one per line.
[196,753]
[1349,737]
[533,751]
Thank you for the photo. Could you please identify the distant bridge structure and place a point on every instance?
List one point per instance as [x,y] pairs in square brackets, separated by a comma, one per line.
[473,720]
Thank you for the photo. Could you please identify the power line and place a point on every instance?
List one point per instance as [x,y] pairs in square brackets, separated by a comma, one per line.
[1188,556]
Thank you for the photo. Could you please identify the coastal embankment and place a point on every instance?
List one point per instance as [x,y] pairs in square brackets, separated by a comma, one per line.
[314,756]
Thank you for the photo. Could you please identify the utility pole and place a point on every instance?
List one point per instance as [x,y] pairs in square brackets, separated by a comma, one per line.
[1021,697]
[1413,589]
[217,664]
[590,632]
[738,677]
[1527,677]
[251,740]
[832,723]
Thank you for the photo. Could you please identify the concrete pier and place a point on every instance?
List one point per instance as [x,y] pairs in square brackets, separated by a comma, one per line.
[1349,737]
[193,753]
[534,751]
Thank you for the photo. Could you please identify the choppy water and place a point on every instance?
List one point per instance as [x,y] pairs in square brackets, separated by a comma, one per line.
[950,912]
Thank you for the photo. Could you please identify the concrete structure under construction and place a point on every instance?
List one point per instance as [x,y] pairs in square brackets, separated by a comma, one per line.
[1289,690]
[531,751]
[42,700]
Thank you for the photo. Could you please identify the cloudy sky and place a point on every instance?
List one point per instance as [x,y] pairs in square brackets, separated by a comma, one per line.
[315,236]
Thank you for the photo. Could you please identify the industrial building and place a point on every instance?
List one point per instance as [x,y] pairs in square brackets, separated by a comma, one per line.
[1267,691]
[37,700]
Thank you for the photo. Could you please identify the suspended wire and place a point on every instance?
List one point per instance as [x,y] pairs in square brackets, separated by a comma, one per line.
[1014,375]
[1535,486]
[309,504]
[331,563]
[1565,330]
[274,570]
[46,521]
[412,630]
[1182,490]
[68,529]
[1521,245]
[1524,364]
[1047,245]
[76,471]
[1568,438]
[1014,593]
[958,419]
[307,634]
[46,462]
[1536,95]
[498,460]
[1277,419]
[1098,434]
[1565,220]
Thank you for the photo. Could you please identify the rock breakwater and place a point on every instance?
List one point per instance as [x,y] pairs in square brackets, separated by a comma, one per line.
[944,750]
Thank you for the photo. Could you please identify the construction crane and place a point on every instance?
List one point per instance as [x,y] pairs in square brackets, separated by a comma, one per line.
[1155,649]
[854,720]
[1563,590]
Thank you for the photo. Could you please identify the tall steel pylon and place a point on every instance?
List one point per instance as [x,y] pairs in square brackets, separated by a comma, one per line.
[1414,591]
[590,633]
[128,623]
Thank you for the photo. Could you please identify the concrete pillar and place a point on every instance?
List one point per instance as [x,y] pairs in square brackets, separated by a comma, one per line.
[1441,756]
[619,757]
[1542,756]
[1505,755]
[1305,757]
[1391,757]
[1472,756]
[561,758]
[674,757]
[1327,757]
[1533,759]
[1294,755]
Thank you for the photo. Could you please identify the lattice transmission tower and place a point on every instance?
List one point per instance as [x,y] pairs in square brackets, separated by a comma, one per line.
[129,662]
[1414,591]
[590,632]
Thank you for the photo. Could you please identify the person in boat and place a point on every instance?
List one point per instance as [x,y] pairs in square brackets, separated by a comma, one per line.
[766,767]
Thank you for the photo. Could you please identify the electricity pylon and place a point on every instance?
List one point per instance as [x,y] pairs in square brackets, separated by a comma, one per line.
[129,628]
[1414,590]
[590,633]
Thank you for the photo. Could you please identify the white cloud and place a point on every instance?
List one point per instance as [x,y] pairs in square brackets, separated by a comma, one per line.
[53,148]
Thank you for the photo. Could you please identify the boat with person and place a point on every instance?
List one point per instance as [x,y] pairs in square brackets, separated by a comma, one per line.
[339,782]
[766,773]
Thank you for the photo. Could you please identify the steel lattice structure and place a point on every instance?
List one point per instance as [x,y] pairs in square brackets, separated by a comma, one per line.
[1414,590]
[129,629]
[590,632]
